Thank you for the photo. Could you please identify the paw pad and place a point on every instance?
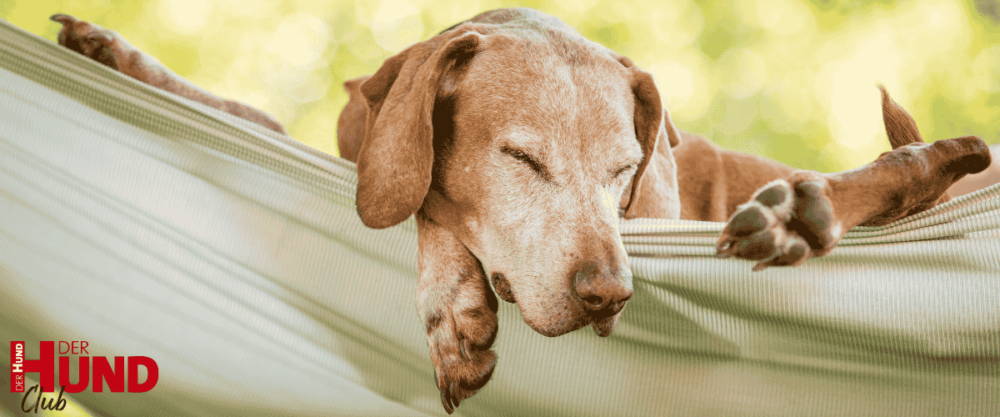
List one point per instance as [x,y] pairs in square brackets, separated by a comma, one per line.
[781,225]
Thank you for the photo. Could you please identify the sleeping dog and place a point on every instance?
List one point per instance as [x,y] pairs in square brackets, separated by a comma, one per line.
[518,145]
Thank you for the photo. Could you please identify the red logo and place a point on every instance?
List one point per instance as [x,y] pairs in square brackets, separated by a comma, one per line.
[97,369]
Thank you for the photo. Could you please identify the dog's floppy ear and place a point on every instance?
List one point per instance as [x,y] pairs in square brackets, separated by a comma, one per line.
[397,154]
[652,124]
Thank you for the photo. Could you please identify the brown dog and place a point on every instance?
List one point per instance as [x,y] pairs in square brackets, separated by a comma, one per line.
[518,145]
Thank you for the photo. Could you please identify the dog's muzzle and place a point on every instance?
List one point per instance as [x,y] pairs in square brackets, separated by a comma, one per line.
[602,292]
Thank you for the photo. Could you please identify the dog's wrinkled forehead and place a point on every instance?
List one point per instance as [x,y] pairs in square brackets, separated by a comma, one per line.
[556,83]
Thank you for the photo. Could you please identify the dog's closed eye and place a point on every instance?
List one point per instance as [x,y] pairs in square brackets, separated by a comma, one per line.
[621,174]
[624,169]
[528,160]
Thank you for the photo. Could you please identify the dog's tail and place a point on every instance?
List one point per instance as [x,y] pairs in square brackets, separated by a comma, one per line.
[899,125]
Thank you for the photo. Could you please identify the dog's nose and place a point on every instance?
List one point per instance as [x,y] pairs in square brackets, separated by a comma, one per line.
[602,291]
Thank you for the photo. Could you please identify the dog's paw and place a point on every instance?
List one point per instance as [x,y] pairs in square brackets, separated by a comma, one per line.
[89,39]
[783,224]
[461,326]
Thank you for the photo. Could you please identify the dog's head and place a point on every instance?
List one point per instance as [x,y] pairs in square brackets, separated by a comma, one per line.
[527,142]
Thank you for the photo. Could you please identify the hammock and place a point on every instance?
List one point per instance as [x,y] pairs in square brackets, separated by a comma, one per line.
[150,225]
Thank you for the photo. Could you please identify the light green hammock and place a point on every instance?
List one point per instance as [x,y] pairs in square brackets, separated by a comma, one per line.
[149,225]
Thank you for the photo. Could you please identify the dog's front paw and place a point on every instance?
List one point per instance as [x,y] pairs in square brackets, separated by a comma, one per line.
[783,224]
[461,324]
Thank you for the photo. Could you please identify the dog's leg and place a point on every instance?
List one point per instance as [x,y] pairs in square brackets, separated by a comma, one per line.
[109,48]
[806,214]
[459,311]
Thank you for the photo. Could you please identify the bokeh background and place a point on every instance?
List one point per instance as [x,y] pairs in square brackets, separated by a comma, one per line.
[793,80]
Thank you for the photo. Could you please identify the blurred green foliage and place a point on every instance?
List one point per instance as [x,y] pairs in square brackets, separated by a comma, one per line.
[788,79]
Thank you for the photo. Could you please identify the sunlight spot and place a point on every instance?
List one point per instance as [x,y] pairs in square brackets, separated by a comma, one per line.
[363,11]
[737,116]
[308,88]
[243,83]
[673,26]
[855,116]
[187,17]
[675,81]
[247,9]
[939,18]
[445,17]
[317,129]
[396,25]
[984,69]
[576,6]
[742,72]
[847,84]
[683,87]
[785,107]
[666,17]
[783,17]
[930,29]
[300,40]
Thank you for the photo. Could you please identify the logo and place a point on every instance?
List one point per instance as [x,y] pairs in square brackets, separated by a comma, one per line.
[119,374]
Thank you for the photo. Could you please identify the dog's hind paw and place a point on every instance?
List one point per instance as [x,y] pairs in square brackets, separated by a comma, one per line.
[783,224]
[111,49]
[461,326]
[88,39]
